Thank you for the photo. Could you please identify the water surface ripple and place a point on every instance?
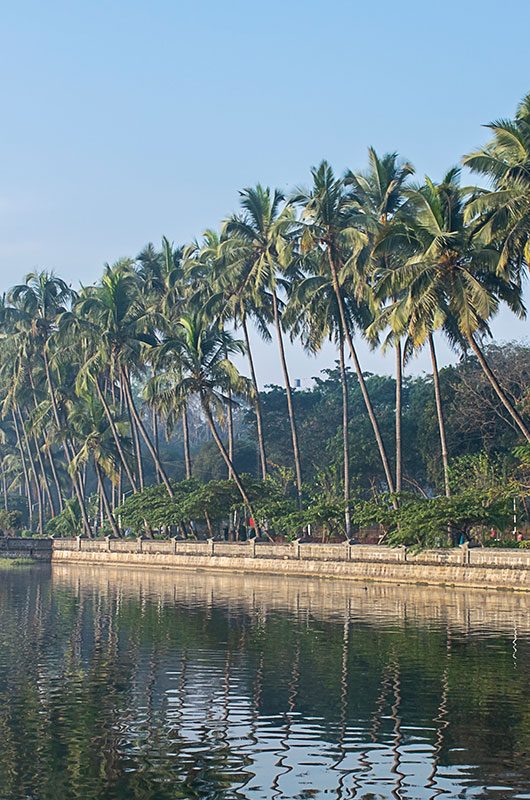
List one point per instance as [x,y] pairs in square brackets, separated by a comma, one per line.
[119,684]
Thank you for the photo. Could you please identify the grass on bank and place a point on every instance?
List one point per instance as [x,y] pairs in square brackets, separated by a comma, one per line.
[21,561]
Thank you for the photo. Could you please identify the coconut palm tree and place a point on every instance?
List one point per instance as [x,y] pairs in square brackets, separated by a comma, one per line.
[205,371]
[34,309]
[215,267]
[162,287]
[313,314]
[97,444]
[125,332]
[329,224]
[260,256]
[451,277]
[378,194]
[502,212]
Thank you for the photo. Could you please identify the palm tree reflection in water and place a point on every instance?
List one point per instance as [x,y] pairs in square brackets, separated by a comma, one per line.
[155,686]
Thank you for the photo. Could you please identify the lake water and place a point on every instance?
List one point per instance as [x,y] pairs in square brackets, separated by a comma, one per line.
[156,685]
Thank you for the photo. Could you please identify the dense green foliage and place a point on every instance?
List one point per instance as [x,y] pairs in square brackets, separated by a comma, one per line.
[122,404]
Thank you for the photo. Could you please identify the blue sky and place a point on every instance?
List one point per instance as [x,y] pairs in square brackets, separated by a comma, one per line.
[124,121]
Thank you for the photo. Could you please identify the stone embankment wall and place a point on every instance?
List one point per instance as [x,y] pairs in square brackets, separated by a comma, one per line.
[467,567]
[40,549]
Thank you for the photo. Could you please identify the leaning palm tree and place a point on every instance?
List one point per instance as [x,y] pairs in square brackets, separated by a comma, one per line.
[502,212]
[125,333]
[378,193]
[204,371]
[97,445]
[213,267]
[451,277]
[261,256]
[329,225]
[32,314]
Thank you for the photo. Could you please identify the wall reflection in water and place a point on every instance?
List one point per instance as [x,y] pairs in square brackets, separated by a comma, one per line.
[150,684]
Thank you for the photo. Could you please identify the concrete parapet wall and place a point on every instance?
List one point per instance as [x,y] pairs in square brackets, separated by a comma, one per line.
[476,567]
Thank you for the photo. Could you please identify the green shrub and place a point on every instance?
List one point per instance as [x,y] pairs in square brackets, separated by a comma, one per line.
[425,522]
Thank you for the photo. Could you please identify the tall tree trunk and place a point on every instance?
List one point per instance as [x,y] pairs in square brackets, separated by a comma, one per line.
[222,450]
[124,403]
[115,436]
[34,471]
[230,427]
[501,394]
[288,392]
[45,481]
[360,376]
[145,436]
[154,424]
[67,447]
[138,452]
[345,437]
[186,440]
[208,523]
[4,489]
[39,454]
[24,470]
[257,402]
[55,477]
[399,389]
[105,500]
[440,415]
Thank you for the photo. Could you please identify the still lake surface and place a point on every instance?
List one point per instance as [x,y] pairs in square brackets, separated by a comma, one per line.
[154,685]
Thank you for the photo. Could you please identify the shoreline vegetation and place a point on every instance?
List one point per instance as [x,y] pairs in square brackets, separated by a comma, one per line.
[123,410]
[19,561]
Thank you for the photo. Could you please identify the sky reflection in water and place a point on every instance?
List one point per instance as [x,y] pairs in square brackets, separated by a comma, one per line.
[150,685]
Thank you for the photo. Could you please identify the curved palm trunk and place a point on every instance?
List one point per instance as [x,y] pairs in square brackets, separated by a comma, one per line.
[514,414]
[78,489]
[399,390]
[439,413]
[115,435]
[105,501]
[34,472]
[288,392]
[360,377]
[186,440]
[145,435]
[345,441]
[24,470]
[257,402]
[226,458]
[39,453]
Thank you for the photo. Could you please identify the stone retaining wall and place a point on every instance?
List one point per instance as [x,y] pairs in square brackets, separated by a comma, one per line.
[40,549]
[475,567]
